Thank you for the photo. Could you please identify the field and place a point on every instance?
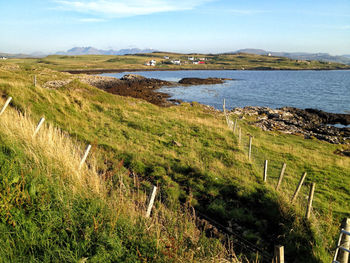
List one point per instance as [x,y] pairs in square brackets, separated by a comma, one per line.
[187,150]
[136,62]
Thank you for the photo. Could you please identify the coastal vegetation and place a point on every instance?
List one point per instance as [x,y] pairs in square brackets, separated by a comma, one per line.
[163,62]
[96,214]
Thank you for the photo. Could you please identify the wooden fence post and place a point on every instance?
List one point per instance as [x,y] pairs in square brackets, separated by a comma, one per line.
[224,106]
[235,126]
[38,126]
[151,201]
[239,135]
[345,243]
[88,148]
[5,105]
[298,187]
[281,176]
[250,147]
[309,204]
[34,80]
[265,171]
[279,254]
[230,124]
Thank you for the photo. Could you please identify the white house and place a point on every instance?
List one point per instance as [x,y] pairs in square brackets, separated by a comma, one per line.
[190,58]
[151,63]
[3,58]
[195,62]
[166,57]
[202,59]
[176,62]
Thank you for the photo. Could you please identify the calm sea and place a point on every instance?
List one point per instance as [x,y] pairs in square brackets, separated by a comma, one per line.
[325,90]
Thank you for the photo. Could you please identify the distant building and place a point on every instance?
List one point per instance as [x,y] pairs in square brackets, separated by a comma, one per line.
[3,58]
[190,58]
[151,63]
[201,62]
[269,55]
[202,59]
[196,62]
[166,57]
[176,62]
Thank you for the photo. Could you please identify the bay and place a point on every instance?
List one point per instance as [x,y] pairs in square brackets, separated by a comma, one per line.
[324,90]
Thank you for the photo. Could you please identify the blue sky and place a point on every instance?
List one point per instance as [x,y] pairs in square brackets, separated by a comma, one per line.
[176,25]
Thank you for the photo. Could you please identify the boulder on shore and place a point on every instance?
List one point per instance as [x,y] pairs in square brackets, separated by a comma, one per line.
[200,81]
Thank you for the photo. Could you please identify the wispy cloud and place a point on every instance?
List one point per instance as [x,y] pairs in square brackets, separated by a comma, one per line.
[91,20]
[246,11]
[125,8]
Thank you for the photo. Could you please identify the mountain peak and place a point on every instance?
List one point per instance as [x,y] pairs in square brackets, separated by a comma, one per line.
[75,51]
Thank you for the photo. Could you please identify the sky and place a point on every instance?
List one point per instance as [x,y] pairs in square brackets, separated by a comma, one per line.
[208,26]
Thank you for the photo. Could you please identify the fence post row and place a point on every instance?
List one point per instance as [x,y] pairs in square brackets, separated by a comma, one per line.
[311,197]
[34,80]
[298,187]
[39,126]
[5,105]
[151,201]
[88,148]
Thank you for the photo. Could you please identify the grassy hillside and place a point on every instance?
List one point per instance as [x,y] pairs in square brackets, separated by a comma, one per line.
[229,61]
[53,212]
[195,159]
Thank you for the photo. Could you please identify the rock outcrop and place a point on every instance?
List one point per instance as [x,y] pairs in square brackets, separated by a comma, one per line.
[311,123]
[200,81]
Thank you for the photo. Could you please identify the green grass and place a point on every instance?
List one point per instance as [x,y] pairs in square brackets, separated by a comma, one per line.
[209,169]
[40,222]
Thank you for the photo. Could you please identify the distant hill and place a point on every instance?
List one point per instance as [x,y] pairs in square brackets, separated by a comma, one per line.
[93,51]
[7,55]
[81,51]
[345,59]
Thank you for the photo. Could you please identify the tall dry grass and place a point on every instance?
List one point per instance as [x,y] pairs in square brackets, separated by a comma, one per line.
[58,156]
[52,150]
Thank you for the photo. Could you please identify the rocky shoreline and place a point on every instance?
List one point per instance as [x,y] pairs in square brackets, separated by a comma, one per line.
[136,86]
[310,123]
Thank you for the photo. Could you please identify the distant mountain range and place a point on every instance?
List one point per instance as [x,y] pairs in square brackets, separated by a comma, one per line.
[93,51]
[345,59]
[81,51]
